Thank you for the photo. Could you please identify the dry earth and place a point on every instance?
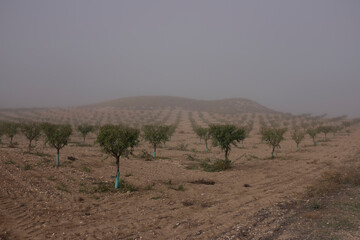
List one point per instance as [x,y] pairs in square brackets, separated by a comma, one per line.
[40,201]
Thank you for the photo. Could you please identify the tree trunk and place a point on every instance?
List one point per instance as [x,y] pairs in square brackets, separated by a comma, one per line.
[155,150]
[57,157]
[272,153]
[226,154]
[117,172]
[84,140]
[30,145]
[206,146]
[11,141]
[297,147]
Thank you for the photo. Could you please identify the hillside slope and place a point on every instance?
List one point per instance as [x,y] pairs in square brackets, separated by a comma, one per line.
[230,105]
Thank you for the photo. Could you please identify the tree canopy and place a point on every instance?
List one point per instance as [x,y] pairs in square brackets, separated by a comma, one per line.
[226,136]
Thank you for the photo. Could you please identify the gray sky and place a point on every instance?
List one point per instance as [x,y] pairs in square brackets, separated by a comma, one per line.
[294,56]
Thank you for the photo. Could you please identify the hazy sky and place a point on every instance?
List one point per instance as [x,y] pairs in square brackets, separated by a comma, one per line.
[294,56]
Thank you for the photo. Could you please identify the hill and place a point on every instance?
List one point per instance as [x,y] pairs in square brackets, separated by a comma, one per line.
[230,105]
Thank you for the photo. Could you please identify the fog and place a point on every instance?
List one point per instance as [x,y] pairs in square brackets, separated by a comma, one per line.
[291,56]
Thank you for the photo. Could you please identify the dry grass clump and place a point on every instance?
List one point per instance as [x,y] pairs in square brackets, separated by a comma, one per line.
[335,180]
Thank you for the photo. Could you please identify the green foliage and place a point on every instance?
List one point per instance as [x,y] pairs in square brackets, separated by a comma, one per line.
[105,187]
[312,133]
[84,129]
[118,140]
[10,129]
[273,137]
[325,130]
[203,133]
[297,135]
[32,131]
[27,167]
[57,136]
[218,166]
[225,136]
[156,134]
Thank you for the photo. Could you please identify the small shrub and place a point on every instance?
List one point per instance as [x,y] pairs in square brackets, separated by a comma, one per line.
[182,147]
[71,158]
[218,166]
[145,155]
[27,167]
[9,161]
[86,169]
[180,188]
[62,187]
[104,187]
[203,181]
[315,205]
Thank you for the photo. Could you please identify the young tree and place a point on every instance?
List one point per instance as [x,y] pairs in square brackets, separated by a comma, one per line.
[225,136]
[273,137]
[156,134]
[304,125]
[199,131]
[117,141]
[32,131]
[335,129]
[297,135]
[325,130]
[203,133]
[10,129]
[57,136]
[84,129]
[312,133]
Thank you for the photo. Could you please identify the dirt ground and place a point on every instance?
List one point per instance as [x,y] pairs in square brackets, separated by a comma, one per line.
[174,200]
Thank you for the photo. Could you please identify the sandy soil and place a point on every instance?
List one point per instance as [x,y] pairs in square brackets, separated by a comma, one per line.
[39,201]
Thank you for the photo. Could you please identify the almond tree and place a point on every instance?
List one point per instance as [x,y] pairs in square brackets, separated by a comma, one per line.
[325,130]
[312,133]
[203,133]
[226,136]
[32,131]
[84,129]
[297,135]
[273,136]
[57,136]
[156,134]
[118,141]
[10,129]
